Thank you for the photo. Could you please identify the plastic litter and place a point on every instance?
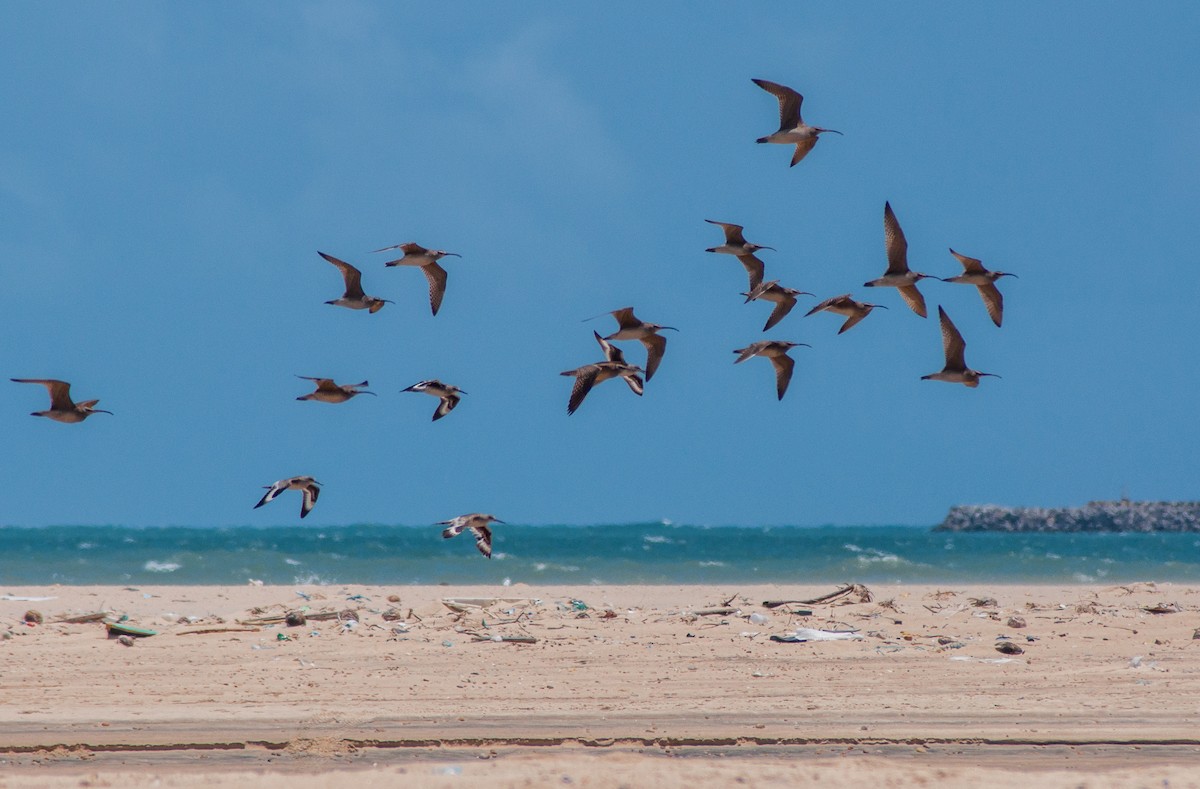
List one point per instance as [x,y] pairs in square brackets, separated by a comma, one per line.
[812,634]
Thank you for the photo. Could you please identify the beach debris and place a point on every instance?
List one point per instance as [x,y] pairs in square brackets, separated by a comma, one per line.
[282,637]
[758,619]
[126,641]
[447,644]
[840,596]
[121,628]
[393,598]
[33,617]
[501,639]
[724,611]
[1009,648]
[578,605]
[254,582]
[1196,634]
[812,634]
[1016,622]
[12,598]
[1162,608]
[209,629]
[464,604]
[393,615]
[295,619]
[994,661]
[983,602]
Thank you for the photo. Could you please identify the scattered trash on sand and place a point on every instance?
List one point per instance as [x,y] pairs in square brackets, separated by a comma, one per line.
[842,596]
[1162,608]
[33,617]
[118,629]
[812,634]
[1009,648]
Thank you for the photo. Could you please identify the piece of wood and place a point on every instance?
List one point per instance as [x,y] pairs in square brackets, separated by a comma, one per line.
[218,629]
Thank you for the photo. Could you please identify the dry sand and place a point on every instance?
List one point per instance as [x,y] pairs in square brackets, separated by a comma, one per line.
[637,689]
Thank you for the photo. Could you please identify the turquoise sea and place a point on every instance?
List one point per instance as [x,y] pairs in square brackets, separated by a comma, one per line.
[649,553]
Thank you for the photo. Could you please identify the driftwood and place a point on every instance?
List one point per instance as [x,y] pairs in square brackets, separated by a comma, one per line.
[82,618]
[218,629]
[715,611]
[837,596]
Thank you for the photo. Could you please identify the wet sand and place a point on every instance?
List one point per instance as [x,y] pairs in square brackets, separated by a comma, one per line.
[633,685]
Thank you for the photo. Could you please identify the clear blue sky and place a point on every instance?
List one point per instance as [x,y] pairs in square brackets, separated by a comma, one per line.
[169,171]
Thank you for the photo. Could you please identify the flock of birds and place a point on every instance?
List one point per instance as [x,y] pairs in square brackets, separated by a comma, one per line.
[792,131]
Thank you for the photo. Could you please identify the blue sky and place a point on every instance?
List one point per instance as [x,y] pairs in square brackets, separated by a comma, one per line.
[168,173]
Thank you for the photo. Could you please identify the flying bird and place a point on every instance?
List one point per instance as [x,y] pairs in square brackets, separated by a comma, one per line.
[776,351]
[477,523]
[614,354]
[975,274]
[589,375]
[792,128]
[427,260]
[306,485]
[784,299]
[956,370]
[898,274]
[62,408]
[737,245]
[630,327]
[449,395]
[329,392]
[854,311]
[354,298]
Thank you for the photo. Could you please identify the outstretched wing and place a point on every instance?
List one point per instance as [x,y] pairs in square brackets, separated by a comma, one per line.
[952,343]
[272,491]
[437,285]
[754,268]
[611,352]
[894,242]
[310,499]
[789,103]
[60,392]
[445,406]
[656,346]
[585,379]
[733,233]
[993,301]
[914,299]
[350,274]
[784,365]
[802,149]
[782,308]
[970,265]
[483,539]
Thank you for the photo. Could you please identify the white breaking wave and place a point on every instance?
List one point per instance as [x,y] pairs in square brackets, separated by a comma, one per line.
[161,567]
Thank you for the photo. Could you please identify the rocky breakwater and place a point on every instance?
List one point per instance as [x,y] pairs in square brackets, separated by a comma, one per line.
[1141,516]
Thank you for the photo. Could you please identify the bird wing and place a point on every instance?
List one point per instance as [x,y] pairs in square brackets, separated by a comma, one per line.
[454,527]
[437,285]
[483,539]
[625,318]
[754,268]
[310,492]
[952,343]
[656,346]
[585,379]
[802,149]
[894,242]
[636,384]
[413,249]
[350,274]
[789,103]
[783,373]
[782,308]
[611,352]
[830,302]
[972,265]
[750,350]
[327,385]
[993,301]
[914,299]
[733,233]
[445,406]
[272,491]
[60,392]
[853,320]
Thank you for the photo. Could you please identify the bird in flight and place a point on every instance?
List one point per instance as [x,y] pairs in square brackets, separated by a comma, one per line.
[792,128]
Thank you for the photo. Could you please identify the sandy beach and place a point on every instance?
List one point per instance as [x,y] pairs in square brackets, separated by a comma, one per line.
[603,686]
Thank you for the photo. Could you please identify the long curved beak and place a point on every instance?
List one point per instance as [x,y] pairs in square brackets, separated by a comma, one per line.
[452,255]
[834,131]
[101,411]
[989,375]
[672,328]
[364,391]
[497,520]
[773,249]
[1006,274]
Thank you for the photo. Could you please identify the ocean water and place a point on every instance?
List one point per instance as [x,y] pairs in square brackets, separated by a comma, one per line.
[650,553]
